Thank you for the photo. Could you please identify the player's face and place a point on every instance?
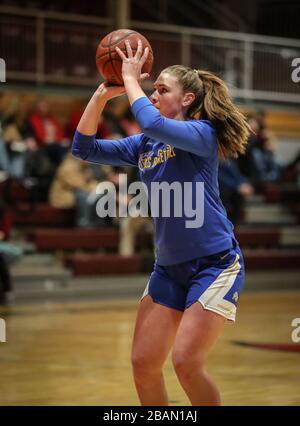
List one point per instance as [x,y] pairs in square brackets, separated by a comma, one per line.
[168,97]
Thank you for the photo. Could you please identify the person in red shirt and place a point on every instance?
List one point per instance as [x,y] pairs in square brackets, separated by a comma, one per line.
[44,125]
[47,132]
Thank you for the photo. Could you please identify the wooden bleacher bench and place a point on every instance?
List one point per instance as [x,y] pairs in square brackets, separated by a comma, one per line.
[280,193]
[42,214]
[51,239]
[75,238]
[257,237]
[103,264]
[272,259]
[112,264]
[284,123]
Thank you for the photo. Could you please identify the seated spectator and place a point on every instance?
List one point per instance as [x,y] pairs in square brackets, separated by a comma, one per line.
[46,131]
[234,187]
[265,166]
[74,186]
[259,164]
[12,152]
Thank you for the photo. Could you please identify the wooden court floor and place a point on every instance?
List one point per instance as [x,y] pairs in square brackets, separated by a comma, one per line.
[79,354]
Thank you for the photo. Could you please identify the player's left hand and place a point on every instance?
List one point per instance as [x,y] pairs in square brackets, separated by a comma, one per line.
[133,64]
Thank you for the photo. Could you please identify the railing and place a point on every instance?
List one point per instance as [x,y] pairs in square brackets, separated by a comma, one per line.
[55,48]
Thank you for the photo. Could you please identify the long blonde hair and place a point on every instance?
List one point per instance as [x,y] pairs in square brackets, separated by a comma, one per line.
[212,102]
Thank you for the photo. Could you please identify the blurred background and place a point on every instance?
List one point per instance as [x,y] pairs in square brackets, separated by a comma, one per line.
[53,247]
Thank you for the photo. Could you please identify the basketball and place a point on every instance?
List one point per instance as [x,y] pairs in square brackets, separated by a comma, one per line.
[108,61]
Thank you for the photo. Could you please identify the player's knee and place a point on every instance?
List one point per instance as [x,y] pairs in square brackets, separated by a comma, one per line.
[185,363]
[142,363]
[179,360]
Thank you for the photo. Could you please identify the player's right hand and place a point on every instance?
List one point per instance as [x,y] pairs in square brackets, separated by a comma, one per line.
[108,91]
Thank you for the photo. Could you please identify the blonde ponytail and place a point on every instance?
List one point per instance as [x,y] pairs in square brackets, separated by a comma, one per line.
[212,102]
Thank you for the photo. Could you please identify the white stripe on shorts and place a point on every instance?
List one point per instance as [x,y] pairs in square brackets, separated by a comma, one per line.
[146,291]
[213,297]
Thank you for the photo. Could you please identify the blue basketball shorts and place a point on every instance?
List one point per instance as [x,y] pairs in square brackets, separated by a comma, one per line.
[215,281]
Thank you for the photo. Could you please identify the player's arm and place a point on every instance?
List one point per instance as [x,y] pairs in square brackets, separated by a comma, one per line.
[193,136]
[122,152]
[197,137]
[118,152]
[89,121]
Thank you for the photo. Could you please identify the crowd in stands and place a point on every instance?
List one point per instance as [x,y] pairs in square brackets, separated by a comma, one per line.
[34,150]
[35,153]
[242,177]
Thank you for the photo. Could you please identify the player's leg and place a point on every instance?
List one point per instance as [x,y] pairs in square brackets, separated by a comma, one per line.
[217,286]
[196,336]
[154,334]
[158,318]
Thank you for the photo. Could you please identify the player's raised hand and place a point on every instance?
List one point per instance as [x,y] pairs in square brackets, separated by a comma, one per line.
[133,64]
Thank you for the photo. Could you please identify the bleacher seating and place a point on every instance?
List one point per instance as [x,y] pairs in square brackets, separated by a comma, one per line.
[113,264]
[53,239]
[284,123]
[42,214]
[274,193]
[97,264]
[271,259]
[261,249]
[257,237]
[75,238]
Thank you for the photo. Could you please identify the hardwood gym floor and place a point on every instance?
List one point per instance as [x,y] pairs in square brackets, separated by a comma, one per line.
[79,354]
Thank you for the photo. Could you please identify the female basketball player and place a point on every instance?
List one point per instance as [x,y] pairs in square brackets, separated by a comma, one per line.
[199,272]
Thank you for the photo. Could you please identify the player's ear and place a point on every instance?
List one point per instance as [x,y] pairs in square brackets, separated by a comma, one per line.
[188,99]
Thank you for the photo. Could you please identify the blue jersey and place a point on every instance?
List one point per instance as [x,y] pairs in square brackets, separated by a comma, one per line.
[169,151]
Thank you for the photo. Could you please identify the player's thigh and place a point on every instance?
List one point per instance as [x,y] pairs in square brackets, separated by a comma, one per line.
[197,334]
[155,330]
[217,288]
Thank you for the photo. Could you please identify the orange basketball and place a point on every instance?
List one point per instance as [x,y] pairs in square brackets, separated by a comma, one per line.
[108,61]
